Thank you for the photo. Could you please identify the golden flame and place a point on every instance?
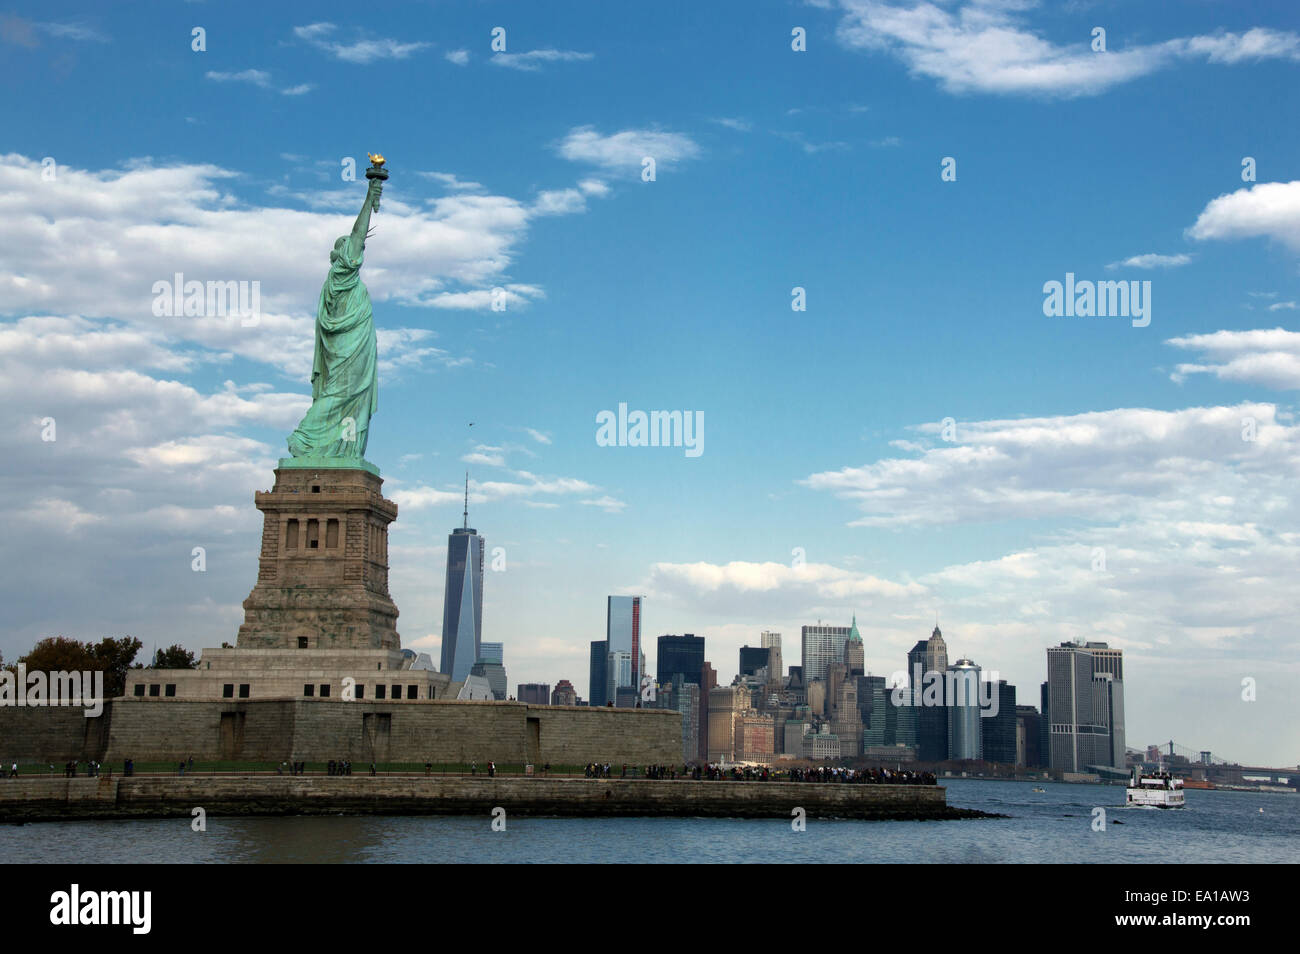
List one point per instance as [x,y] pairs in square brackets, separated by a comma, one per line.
[376,160]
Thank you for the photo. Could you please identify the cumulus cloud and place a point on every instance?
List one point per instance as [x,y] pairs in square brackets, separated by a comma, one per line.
[1266,357]
[1264,210]
[1096,465]
[159,221]
[986,46]
[624,150]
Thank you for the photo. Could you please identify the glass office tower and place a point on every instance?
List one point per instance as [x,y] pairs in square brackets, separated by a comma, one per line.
[623,634]
[965,728]
[462,605]
[680,656]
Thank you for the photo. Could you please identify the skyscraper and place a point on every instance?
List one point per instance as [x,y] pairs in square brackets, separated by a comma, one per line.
[596,682]
[623,634]
[684,697]
[564,694]
[822,645]
[854,652]
[1108,696]
[1000,729]
[772,641]
[491,666]
[754,658]
[1028,733]
[462,603]
[708,681]
[965,728]
[1086,706]
[534,693]
[680,655]
[930,656]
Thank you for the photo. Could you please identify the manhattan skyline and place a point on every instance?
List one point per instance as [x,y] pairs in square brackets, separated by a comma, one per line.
[922,440]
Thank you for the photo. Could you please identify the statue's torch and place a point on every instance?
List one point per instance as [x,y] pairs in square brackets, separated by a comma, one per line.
[376,171]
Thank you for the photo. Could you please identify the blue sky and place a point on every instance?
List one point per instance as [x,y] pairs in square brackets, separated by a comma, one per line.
[775,169]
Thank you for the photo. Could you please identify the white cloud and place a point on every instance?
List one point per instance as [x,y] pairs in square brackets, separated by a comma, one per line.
[1264,357]
[985,46]
[809,147]
[320,36]
[533,59]
[560,202]
[525,488]
[538,436]
[72,31]
[259,78]
[1151,260]
[1097,465]
[483,454]
[450,180]
[162,220]
[1264,210]
[624,150]
[605,503]
[818,580]
[459,57]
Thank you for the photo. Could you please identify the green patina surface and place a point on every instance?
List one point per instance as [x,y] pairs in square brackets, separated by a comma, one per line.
[316,463]
[344,380]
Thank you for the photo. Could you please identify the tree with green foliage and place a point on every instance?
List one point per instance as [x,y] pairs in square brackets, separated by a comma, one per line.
[114,656]
[60,654]
[175,657]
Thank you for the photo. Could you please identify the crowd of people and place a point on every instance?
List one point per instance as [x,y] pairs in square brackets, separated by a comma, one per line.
[878,776]
[763,773]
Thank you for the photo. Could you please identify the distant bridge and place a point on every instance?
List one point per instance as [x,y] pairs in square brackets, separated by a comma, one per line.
[1218,766]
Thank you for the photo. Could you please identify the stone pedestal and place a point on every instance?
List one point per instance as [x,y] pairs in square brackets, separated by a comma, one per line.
[322,582]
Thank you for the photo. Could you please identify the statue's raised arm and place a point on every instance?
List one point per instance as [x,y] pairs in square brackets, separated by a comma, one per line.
[357,240]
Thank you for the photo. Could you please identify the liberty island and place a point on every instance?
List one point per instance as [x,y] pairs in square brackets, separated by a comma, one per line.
[318,671]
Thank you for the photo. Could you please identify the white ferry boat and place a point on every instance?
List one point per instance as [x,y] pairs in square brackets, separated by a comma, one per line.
[1154,791]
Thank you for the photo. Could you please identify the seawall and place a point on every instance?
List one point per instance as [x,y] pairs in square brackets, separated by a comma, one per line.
[362,731]
[63,799]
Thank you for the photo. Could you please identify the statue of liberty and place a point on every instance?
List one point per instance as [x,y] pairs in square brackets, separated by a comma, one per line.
[344,382]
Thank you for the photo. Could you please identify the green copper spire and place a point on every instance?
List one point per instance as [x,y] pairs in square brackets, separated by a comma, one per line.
[854,636]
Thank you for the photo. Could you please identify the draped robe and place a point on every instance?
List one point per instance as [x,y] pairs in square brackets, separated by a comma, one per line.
[344,382]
